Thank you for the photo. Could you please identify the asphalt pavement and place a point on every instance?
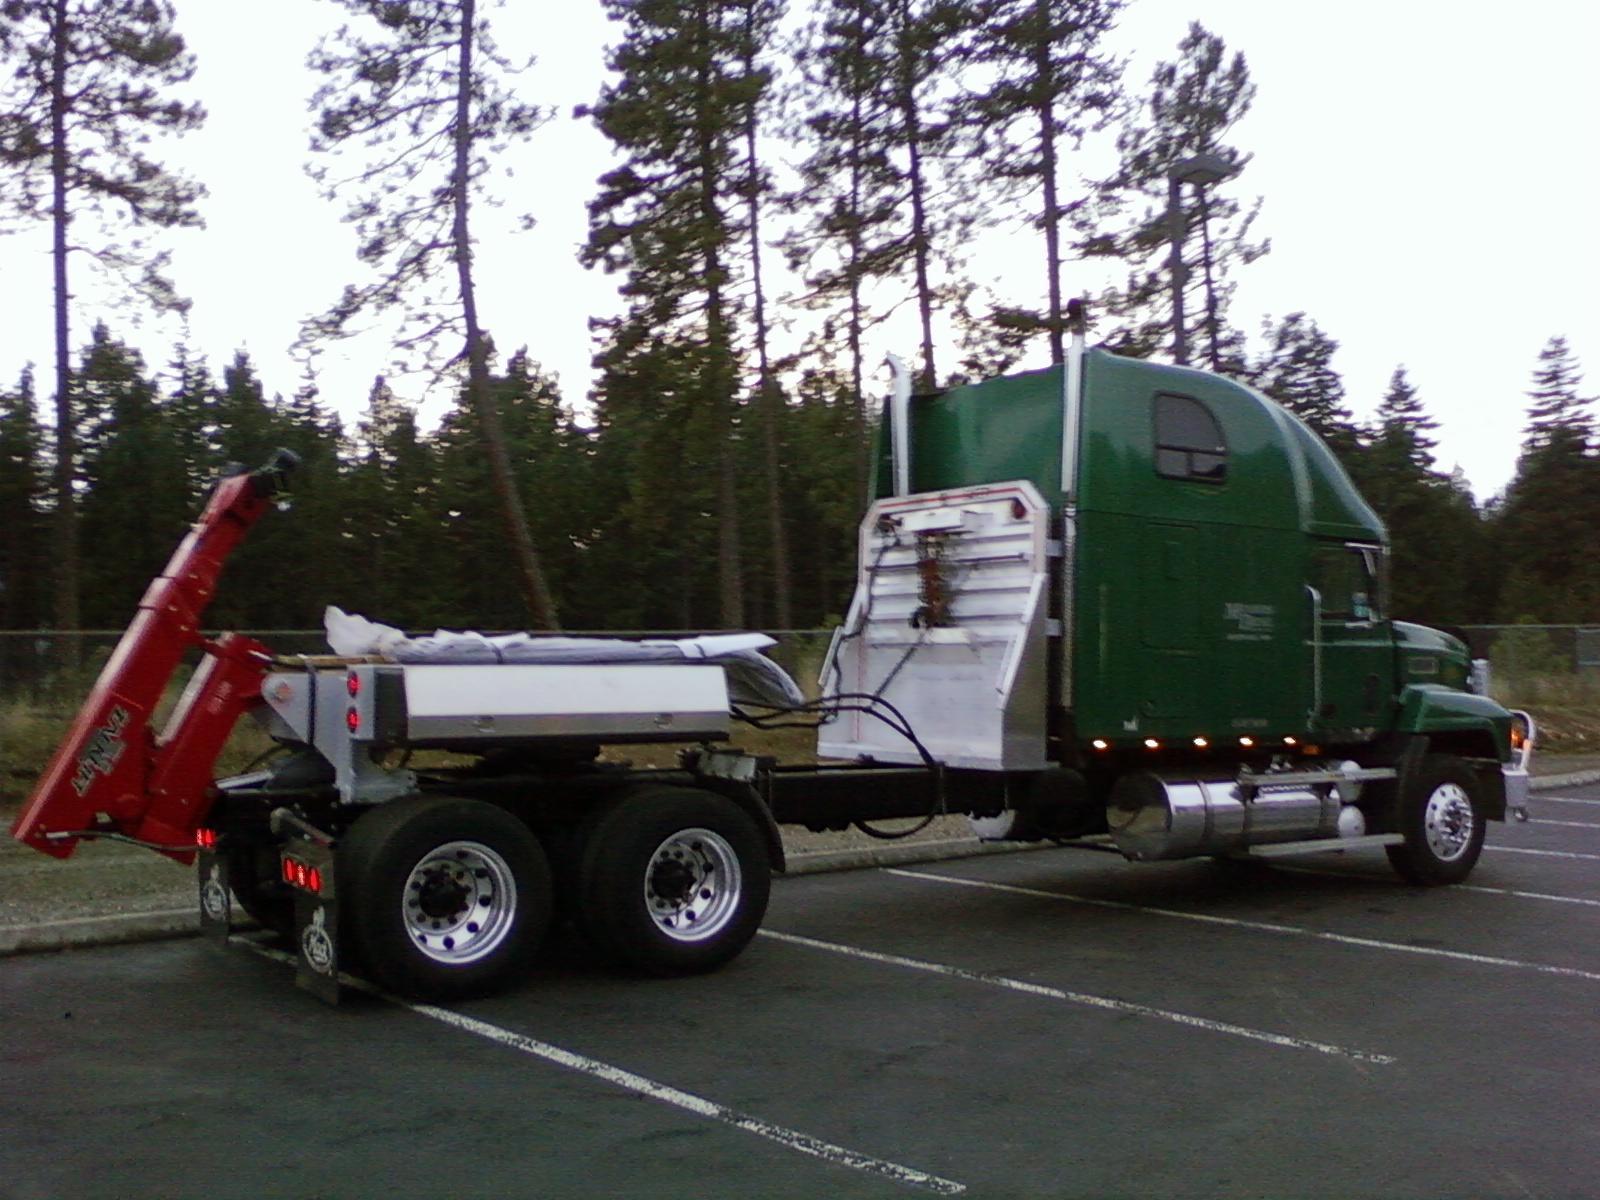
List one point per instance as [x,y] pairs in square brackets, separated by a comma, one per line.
[1056,1023]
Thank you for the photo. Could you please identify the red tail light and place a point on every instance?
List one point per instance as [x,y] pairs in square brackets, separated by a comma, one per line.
[206,839]
[352,683]
[302,875]
[352,719]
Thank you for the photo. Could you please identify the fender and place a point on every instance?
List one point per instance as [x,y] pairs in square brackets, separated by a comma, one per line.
[1433,710]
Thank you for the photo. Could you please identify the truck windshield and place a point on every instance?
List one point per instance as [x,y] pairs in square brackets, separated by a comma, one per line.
[1346,576]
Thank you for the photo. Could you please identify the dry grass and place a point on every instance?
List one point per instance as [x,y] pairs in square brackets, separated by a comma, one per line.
[1566,706]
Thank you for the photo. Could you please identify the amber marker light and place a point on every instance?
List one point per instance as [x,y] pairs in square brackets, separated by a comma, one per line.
[1247,742]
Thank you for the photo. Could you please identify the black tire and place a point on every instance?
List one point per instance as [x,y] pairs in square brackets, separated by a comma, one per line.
[253,879]
[672,880]
[443,898]
[1441,816]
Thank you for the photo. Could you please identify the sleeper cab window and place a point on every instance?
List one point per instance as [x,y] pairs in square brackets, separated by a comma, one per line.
[1189,442]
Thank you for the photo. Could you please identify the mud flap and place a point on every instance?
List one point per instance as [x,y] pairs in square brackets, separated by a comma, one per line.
[316,920]
[216,895]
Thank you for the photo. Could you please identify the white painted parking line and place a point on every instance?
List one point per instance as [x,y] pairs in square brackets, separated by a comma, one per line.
[791,1139]
[1488,960]
[1541,798]
[1455,887]
[1544,853]
[1568,824]
[1104,1002]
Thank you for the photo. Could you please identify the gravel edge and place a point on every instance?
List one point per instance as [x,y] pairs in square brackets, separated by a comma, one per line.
[81,932]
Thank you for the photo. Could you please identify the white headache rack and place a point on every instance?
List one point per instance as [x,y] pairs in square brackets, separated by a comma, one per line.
[949,625]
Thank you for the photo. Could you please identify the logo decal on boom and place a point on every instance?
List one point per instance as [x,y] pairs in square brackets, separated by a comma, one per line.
[103,751]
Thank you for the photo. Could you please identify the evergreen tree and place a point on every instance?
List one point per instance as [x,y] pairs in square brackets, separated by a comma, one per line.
[1297,371]
[1436,540]
[760,24]
[426,96]
[88,85]
[1190,110]
[675,113]
[1049,83]
[134,507]
[849,197]
[24,600]
[548,454]
[1552,505]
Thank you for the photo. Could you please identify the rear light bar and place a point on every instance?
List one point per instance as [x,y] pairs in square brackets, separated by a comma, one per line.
[302,875]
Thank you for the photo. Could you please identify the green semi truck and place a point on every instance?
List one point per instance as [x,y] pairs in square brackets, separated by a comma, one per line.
[1152,599]
[1112,603]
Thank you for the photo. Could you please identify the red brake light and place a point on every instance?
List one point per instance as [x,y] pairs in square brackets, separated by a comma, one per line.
[352,719]
[206,839]
[352,683]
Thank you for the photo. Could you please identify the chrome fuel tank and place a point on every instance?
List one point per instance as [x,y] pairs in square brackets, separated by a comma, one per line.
[1153,817]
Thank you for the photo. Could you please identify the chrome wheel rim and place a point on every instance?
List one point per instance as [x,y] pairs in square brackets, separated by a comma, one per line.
[1448,822]
[692,885]
[460,902]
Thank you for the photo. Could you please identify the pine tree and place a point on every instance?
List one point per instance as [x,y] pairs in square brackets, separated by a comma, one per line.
[89,85]
[127,452]
[23,487]
[1436,537]
[675,113]
[1552,505]
[1297,371]
[1049,84]
[1190,110]
[426,98]
[849,194]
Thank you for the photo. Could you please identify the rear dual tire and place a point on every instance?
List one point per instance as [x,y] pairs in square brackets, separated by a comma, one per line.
[443,898]
[671,880]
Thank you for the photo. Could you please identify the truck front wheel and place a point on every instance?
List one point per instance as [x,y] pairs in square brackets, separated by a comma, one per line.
[672,880]
[1441,817]
[444,898]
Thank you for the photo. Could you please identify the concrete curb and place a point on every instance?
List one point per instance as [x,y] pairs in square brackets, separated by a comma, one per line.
[1551,782]
[99,931]
[83,932]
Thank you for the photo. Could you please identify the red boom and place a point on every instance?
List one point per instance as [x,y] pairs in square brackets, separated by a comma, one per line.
[112,773]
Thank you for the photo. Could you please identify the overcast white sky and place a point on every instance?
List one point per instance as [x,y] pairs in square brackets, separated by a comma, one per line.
[1429,170]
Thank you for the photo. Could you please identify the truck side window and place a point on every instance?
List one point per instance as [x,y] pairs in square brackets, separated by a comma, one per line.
[1189,443]
[1346,577]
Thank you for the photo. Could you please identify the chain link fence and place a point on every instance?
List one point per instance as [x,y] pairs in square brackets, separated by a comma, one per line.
[1522,653]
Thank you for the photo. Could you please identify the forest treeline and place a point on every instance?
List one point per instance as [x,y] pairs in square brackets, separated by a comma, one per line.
[393,522]
[786,179]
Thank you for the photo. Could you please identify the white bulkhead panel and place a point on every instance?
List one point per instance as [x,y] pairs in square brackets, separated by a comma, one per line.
[949,625]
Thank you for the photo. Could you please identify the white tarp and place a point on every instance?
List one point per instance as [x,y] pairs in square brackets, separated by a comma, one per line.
[753,678]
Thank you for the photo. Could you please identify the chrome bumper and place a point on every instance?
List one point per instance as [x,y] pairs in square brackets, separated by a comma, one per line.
[1517,772]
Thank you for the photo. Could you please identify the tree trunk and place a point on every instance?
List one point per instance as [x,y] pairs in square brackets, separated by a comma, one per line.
[1044,91]
[718,378]
[857,368]
[66,515]
[771,399]
[912,128]
[536,592]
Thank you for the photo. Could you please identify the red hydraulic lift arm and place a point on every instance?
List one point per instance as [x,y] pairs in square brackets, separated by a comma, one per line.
[112,773]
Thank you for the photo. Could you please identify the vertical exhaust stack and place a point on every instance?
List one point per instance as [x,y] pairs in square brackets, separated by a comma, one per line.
[899,406]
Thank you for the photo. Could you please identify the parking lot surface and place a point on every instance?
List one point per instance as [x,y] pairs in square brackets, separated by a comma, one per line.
[1047,1024]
